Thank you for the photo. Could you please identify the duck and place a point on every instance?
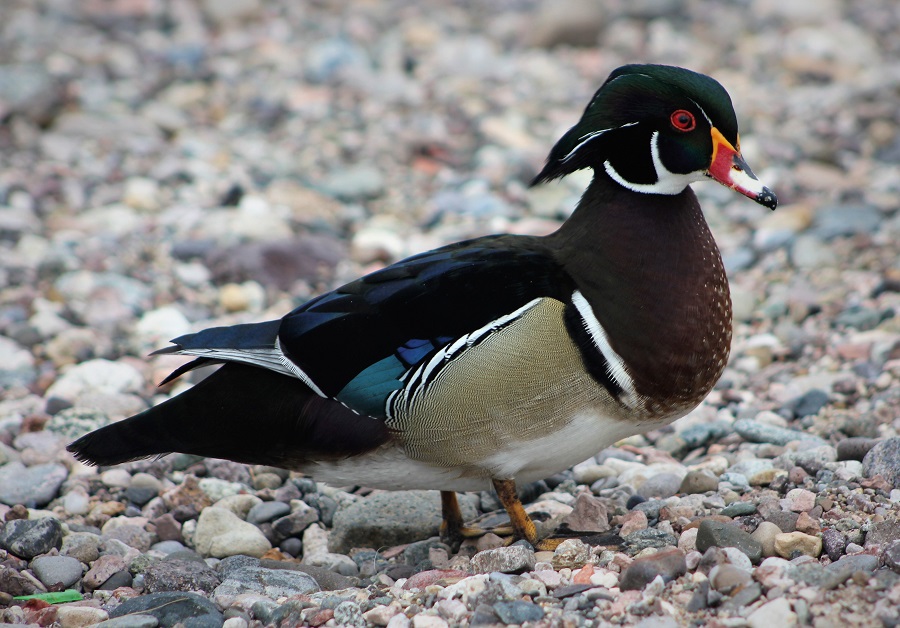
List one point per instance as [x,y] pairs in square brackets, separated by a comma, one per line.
[499,360]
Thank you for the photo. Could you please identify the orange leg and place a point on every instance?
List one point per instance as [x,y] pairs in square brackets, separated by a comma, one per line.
[522,525]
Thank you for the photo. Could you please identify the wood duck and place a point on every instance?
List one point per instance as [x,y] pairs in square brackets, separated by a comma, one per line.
[499,359]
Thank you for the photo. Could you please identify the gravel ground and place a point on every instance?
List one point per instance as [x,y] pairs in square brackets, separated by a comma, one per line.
[167,166]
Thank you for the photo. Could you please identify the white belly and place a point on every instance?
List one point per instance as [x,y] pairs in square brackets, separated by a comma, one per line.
[389,468]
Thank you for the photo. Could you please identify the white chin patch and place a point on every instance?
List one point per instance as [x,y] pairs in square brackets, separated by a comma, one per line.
[669,183]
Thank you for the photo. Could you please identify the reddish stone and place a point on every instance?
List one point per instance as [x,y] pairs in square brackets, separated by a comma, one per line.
[427,578]
[188,493]
[583,575]
[39,612]
[101,571]
[167,528]
[877,482]
[807,524]
[855,350]
[633,521]
[320,616]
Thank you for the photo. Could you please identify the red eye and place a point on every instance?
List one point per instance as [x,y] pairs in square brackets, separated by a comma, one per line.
[683,120]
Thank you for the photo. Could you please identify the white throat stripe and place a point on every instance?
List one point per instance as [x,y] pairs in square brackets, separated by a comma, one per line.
[667,182]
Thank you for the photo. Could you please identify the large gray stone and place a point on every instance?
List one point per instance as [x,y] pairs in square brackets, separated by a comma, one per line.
[51,570]
[272,583]
[717,534]
[387,519]
[28,538]
[170,608]
[180,575]
[32,486]
[512,559]
[669,563]
[884,459]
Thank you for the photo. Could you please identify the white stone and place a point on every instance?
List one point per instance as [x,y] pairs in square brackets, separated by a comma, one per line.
[96,376]
[157,327]
[118,522]
[772,572]
[452,610]
[778,612]
[687,542]
[46,319]
[141,193]
[221,533]
[76,501]
[217,489]
[192,273]
[381,615]
[637,475]
[145,480]
[589,472]
[331,561]
[116,478]
[70,616]
[399,621]
[315,541]
[466,588]
[429,621]
[371,244]
[239,504]
[14,356]
[738,558]
[621,466]
[605,578]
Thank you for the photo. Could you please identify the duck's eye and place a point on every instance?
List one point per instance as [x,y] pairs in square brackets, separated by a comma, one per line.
[683,120]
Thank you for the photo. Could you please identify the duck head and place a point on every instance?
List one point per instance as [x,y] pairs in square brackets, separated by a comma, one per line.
[655,129]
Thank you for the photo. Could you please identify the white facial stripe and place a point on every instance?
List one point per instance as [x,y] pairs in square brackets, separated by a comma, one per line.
[587,137]
[614,363]
[703,112]
[584,140]
[667,182]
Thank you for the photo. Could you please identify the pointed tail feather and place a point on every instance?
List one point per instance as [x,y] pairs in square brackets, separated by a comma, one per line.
[241,413]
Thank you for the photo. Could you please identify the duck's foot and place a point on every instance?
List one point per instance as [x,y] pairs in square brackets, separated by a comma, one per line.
[521,523]
[516,525]
[519,526]
[610,541]
[453,530]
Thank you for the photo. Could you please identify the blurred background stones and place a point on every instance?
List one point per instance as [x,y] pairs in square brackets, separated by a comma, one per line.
[170,166]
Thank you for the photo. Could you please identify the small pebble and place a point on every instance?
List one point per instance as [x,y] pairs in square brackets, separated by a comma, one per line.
[789,544]
[717,534]
[512,559]
[668,563]
[57,570]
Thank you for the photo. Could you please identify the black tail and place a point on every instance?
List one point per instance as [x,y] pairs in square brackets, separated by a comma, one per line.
[241,413]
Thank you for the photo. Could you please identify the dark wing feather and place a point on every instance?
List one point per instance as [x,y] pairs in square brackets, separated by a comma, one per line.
[432,298]
[355,344]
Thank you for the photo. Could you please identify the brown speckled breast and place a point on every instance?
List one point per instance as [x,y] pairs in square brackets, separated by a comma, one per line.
[656,283]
